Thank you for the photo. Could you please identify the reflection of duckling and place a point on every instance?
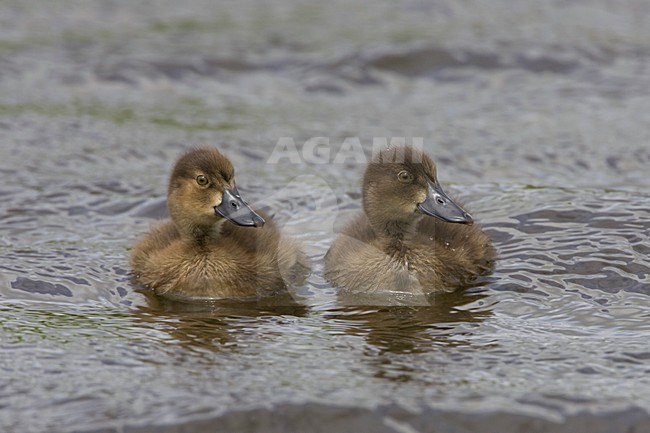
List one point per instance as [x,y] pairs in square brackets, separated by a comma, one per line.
[395,245]
[213,325]
[402,329]
[215,245]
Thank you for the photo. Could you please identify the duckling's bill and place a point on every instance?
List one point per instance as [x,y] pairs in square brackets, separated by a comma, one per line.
[236,210]
[438,204]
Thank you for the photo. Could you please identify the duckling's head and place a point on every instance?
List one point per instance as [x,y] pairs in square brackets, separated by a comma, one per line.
[400,186]
[202,193]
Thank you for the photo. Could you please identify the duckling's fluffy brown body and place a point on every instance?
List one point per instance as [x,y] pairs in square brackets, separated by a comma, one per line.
[440,257]
[396,245]
[236,262]
[199,254]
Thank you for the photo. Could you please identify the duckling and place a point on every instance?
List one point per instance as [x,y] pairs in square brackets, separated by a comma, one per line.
[411,236]
[214,246]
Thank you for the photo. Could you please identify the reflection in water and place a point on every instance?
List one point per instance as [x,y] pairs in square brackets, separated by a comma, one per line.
[213,325]
[397,335]
[412,329]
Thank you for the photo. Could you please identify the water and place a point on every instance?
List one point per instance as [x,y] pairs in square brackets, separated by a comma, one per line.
[538,117]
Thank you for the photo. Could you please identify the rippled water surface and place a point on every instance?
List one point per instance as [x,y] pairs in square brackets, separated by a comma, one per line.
[537,113]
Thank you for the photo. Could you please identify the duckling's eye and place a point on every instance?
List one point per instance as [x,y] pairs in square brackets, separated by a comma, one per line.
[404,176]
[202,180]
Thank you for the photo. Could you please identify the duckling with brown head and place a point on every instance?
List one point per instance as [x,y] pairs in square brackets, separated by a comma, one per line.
[411,236]
[214,245]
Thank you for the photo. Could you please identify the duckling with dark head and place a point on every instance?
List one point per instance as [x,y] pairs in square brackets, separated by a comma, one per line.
[411,236]
[214,245]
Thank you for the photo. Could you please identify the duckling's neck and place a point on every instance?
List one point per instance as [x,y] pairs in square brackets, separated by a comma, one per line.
[395,231]
[388,226]
[394,236]
[201,234]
